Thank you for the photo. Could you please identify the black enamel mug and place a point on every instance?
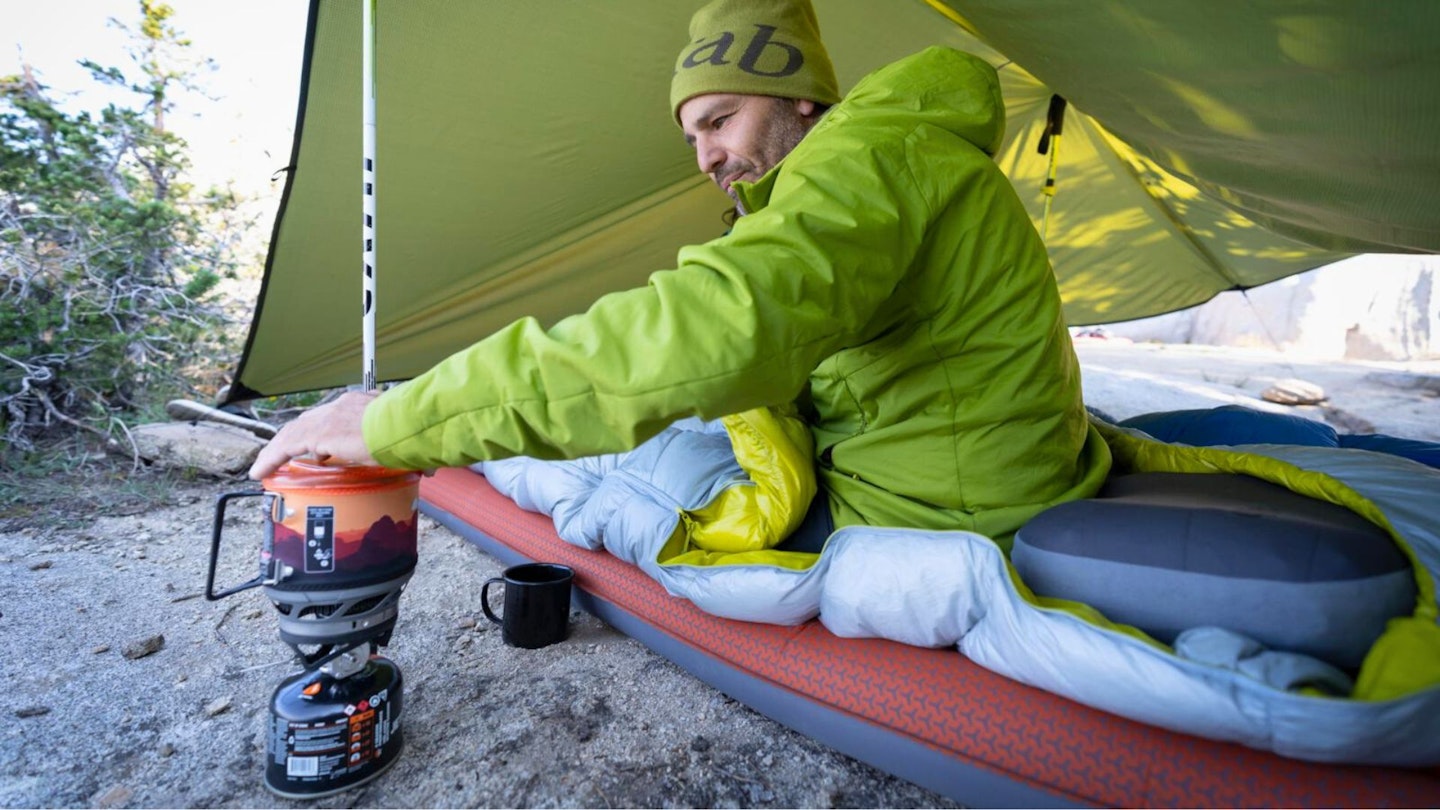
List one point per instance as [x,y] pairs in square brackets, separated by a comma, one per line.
[536,612]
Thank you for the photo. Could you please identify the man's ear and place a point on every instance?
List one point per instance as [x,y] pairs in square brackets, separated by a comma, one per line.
[805,107]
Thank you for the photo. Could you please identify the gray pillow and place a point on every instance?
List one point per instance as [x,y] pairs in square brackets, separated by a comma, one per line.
[1166,552]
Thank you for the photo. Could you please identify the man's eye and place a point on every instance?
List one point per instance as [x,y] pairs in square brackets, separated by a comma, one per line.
[720,122]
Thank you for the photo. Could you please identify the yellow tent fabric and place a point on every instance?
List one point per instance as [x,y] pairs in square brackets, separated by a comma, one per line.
[527,164]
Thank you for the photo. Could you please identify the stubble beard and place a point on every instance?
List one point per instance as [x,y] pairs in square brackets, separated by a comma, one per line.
[785,132]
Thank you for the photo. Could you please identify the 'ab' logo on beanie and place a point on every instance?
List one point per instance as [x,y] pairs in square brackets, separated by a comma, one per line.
[754,47]
[714,53]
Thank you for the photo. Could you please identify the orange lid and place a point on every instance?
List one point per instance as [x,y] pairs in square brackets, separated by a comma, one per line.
[300,473]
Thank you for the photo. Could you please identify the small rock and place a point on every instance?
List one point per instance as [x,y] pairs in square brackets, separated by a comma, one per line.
[1294,392]
[41,566]
[167,750]
[254,614]
[217,706]
[101,648]
[700,744]
[182,678]
[138,552]
[115,796]
[32,711]
[465,623]
[143,647]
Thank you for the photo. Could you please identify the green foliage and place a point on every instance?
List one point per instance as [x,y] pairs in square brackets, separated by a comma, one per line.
[108,259]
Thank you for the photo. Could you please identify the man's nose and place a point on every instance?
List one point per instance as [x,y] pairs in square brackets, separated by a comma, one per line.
[709,156]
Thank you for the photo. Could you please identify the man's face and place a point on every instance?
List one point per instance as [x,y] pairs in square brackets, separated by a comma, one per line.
[741,137]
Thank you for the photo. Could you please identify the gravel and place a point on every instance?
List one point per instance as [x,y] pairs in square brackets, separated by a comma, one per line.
[127,690]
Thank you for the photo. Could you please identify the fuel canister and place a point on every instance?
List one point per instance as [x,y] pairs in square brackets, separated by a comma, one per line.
[328,734]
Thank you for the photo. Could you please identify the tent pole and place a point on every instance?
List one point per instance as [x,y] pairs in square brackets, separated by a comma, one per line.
[368,194]
[1050,141]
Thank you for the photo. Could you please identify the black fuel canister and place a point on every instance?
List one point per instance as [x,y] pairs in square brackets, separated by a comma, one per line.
[328,734]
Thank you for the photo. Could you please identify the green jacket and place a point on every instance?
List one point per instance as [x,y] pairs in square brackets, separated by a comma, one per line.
[887,278]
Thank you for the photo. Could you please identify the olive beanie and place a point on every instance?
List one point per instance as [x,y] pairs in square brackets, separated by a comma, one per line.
[754,47]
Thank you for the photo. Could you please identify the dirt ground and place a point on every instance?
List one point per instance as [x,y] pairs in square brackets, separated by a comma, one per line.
[126,688]
[597,721]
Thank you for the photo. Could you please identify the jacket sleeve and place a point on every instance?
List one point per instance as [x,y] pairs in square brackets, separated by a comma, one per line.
[739,324]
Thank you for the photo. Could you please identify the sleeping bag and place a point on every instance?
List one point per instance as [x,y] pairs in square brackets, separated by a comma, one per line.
[1375,701]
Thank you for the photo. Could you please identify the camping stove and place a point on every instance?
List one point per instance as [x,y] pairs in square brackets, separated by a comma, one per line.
[339,545]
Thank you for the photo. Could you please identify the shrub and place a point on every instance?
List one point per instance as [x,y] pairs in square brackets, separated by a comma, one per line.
[108,259]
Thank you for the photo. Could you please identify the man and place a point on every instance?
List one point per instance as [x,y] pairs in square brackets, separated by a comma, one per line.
[883,275]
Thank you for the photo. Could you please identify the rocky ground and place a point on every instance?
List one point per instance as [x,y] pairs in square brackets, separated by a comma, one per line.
[1125,380]
[126,688]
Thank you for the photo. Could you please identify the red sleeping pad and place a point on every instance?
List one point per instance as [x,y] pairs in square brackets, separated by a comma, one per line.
[929,716]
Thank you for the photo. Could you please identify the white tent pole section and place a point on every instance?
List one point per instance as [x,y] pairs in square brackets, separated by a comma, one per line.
[368,193]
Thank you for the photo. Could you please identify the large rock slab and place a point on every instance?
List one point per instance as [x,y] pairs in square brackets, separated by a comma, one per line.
[1371,307]
[211,448]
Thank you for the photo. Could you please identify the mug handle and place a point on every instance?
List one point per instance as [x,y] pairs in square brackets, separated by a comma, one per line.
[485,599]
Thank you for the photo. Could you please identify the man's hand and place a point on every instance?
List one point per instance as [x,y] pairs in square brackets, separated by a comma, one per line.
[327,432]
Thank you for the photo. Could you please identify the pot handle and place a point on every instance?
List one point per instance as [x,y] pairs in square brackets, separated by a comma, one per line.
[265,556]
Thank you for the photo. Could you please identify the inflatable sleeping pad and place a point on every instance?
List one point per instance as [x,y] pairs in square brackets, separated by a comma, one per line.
[952,606]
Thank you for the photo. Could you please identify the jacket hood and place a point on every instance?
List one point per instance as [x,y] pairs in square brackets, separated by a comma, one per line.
[941,87]
[950,89]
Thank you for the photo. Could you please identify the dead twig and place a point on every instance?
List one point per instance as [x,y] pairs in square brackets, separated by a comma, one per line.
[737,777]
[134,446]
[219,634]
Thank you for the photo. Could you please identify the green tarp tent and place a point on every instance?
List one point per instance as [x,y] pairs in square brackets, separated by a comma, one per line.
[527,163]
